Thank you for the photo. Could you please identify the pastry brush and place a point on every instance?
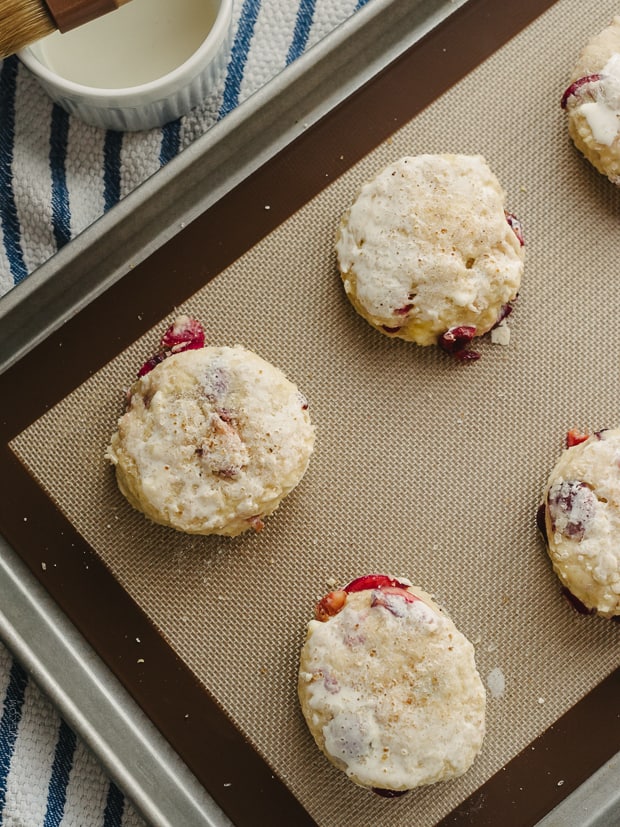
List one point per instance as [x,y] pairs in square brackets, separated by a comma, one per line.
[24,21]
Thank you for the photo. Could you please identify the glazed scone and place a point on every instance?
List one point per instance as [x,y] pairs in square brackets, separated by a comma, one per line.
[581,521]
[212,440]
[428,253]
[389,688]
[592,102]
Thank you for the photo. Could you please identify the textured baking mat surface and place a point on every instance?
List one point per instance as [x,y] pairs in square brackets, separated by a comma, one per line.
[423,467]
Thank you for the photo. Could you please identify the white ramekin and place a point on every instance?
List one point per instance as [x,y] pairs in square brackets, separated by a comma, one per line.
[148,105]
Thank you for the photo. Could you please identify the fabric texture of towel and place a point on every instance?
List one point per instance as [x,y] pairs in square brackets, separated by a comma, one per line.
[57,177]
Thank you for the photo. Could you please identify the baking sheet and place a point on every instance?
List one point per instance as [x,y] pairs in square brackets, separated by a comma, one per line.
[452,462]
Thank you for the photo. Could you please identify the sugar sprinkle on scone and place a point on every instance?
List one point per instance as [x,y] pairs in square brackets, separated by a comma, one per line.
[592,102]
[580,520]
[389,688]
[212,439]
[428,253]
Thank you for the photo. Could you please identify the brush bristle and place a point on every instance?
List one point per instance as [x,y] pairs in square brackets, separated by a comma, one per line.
[22,22]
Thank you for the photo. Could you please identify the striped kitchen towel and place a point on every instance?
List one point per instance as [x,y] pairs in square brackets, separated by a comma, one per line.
[47,776]
[57,176]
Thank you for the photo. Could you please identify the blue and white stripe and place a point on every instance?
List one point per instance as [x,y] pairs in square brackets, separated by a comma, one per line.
[57,177]
[9,219]
[9,727]
[48,778]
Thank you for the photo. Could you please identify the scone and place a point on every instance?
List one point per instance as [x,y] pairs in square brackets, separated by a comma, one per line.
[389,688]
[592,102]
[428,253]
[580,520]
[213,438]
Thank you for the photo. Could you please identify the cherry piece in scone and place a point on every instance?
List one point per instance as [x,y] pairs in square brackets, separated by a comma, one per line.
[577,605]
[389,793]
[151,363]
[578,87]
[387,592]
[541,521]
[457,338]
[515,226]
[334,602]
[455,341]
[393,598]
[571,505]
[505,311]
[401,311]
[184,333]
[373,581]
[575,437]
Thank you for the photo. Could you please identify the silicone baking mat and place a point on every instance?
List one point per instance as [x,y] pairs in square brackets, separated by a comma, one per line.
[423,467]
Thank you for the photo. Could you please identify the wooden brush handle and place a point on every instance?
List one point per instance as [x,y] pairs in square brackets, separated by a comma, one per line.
[68,14]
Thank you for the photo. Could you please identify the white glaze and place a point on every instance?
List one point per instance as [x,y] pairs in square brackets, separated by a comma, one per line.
[603,113]
[137,43]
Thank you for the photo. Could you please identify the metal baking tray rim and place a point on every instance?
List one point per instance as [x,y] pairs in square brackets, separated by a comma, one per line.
[86,693]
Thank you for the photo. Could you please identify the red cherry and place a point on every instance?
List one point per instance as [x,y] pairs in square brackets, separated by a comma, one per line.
[515,226]
[151,363]
[373,581]
[393,599]
[184,334]
[541,521]
[467,355]
[256,522]
[389,793]
[576,88]
[505,311]
[399,591]
[572,505]
[457,338]
[579,607]
[575,437]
